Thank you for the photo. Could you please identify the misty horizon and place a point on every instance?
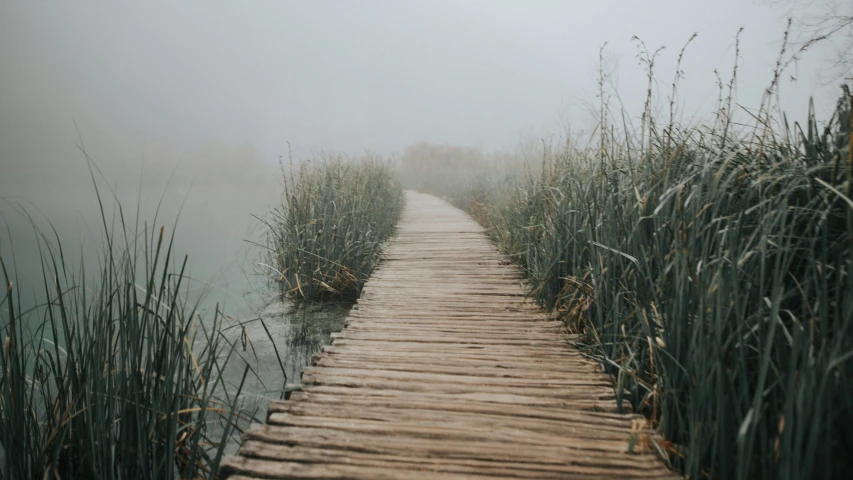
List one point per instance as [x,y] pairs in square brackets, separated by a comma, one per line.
[213,95]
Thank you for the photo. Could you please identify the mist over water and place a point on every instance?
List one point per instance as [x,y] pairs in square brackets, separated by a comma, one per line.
[190,106]
[184,114]
[206,198]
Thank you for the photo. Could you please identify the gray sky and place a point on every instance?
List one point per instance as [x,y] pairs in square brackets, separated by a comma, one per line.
[224,85]
[349,75]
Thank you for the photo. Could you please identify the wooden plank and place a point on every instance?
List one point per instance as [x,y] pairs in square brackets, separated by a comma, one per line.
[454,419]
[456,367]
[554,380]
[489,468]
[423,405]
[482,447]
[410,384]
[449,330]
[446,370]
[508,400]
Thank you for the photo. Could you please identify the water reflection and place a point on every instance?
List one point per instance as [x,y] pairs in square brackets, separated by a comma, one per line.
[275,344]
[265,337]
[308,329]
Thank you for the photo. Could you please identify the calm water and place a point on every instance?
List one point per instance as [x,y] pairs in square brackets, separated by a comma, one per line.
[218,230]
[277,344]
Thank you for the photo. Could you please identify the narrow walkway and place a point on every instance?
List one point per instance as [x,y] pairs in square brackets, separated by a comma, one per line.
[444,372]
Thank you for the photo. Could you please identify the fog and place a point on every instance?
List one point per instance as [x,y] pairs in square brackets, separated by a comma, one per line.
[218,91]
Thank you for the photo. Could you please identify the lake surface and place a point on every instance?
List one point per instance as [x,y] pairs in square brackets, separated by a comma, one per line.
[276,344]
[212,207]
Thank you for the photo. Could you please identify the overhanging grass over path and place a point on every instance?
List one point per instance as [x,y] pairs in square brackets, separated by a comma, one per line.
[445,371]
[709,270]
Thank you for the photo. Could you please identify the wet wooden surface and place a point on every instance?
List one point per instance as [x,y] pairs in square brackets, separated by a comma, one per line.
[445,371]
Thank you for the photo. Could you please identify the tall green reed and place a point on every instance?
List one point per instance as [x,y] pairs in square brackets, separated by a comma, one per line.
[710,273]
[335,216]
[113,374]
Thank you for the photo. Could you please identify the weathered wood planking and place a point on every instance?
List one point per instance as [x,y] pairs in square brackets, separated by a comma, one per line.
[444,371]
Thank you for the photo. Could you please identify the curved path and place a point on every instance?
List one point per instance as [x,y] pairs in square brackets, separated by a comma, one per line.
[444,371]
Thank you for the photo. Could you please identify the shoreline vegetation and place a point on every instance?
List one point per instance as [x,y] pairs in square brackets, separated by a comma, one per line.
[707,268]
[113,373]
[335,218]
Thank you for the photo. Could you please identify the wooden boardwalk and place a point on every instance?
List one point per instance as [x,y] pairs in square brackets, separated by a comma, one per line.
[443,371]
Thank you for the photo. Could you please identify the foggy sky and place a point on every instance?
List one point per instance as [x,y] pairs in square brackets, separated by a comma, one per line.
[222,86]
[350,75]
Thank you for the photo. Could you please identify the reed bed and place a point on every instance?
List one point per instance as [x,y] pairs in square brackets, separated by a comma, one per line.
[710,272]
[335,217]
[113,373]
